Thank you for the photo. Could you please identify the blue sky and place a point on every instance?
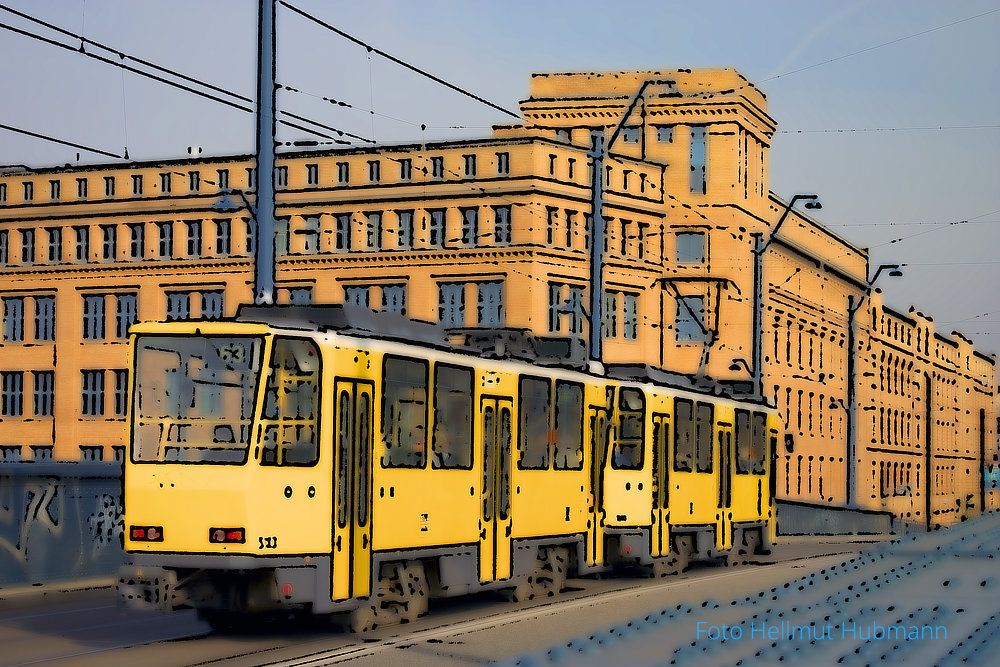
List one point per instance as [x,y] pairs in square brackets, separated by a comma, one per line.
[824,67]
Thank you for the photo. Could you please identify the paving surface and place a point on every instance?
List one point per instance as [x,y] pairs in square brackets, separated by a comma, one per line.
[928,599]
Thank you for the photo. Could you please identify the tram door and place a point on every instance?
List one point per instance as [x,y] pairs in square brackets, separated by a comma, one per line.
[661,481]
[599,432]
[726,456]
[352,475]
[495,551]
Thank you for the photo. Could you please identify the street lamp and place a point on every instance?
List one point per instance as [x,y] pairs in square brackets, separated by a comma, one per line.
[811,202]
[852,310]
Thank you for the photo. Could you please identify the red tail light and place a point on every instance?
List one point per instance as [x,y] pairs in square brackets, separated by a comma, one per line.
[146,533]
[226,535]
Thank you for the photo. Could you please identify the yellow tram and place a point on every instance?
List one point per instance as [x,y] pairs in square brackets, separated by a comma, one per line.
[300,463]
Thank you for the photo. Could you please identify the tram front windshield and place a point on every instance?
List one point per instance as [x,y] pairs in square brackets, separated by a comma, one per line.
[194,398]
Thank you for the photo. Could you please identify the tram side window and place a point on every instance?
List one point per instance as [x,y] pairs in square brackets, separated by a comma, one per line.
[569,426]
[535,409]
[291,405]
[631,415]
[758,446]
[743,443]
[704,423]
[452,417]
[404,413]
[683,435]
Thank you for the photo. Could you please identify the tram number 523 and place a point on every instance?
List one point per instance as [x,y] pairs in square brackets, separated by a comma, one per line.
[267,542]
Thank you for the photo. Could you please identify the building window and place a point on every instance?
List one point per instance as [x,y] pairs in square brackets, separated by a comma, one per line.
[343,173]
[41,452]
[342,240]
[310,235]
[55,243]
[394,299]
[435,234]
[470,165]
[489,306]
[665,134]
[405,229]
[223,179]
[223,238]
[281,235]
[27,246]
[699,159]
[45,318]
[357,295]
[194,181]
[690,323]
[13,319]
[10,453]
[555,307]
[4,247]
[3,193]
[451,304]
[470,226]
[405,169]
[136,184]
[29,191]
[251,177]
[609,323]
[281,228]
[312,174]
[501,225]
[300,296]
[282,174]
[575,307]
[136,240]
[374,171]
[630,134]
[121,392]
[126,314]
[81,188]
[373,230]
[165,183]
[12,397]
[552,164]
[691,248]
[91,453]
[625,235]
[503,164]
[165,231]
[109,238]
[211,305]
[82,243]
[437,167]
[93,317]
[44,387]
[250,232]
[93,393]
[630,320]
[109,186]
[178,306]
[55,190]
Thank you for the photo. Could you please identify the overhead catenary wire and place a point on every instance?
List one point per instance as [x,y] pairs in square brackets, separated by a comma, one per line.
[398,61]
[122,65]
[71,144]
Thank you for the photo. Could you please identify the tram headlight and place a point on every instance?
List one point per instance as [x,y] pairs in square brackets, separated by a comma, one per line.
[146,533]
[226,535]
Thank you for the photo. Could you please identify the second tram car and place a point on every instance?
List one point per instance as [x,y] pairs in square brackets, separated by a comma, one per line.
[297,465]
